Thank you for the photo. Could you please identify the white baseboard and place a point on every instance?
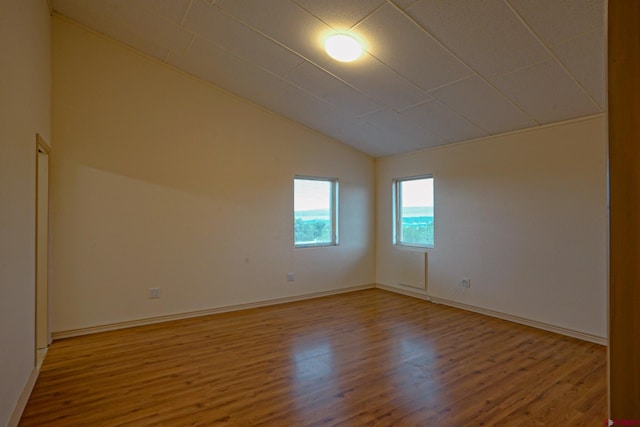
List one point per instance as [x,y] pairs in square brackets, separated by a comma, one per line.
[23,399]
[516,319]
[152,320]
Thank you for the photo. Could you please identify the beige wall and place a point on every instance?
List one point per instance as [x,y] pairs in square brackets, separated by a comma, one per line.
[25,109]
[159,180]
[522,215]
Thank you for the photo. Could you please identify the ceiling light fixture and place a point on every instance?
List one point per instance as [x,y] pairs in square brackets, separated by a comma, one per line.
[343,47]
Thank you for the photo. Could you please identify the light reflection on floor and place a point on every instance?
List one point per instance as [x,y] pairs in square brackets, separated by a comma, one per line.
[319,364]
[313,361]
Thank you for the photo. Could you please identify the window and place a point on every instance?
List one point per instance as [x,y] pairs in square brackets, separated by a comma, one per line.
[315,202]
[414,211]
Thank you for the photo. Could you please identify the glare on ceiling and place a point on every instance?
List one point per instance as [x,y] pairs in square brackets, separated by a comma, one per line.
[343,47]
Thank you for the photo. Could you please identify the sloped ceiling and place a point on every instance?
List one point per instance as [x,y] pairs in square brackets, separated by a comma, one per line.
[434,72]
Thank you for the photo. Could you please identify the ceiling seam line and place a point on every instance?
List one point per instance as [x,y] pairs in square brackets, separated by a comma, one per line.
[311,13]
[465,118]
[448,84]
[472,69]
[526,67]
[304,58]
[578,35]
[366,16]
[191,42]
[377,100]
[186,13]
[552,53]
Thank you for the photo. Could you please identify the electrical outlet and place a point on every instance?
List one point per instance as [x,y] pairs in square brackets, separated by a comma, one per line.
[291,277]
[465,282]
[154,293]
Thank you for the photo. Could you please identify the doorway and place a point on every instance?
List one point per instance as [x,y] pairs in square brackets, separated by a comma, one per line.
[43,335]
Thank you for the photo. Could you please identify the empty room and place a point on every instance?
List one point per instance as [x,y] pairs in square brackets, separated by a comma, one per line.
[319,212]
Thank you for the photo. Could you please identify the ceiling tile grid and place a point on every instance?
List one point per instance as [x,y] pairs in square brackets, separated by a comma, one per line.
[574,31]
[483,106]
[210,23]
[303,107]
[556,21]
[585,59]
[327,87]
[211,63]
[282,21]
[484,34]
[529,88]
[403,130]
[433,72]
[409,50]
[379,81]
[451,126]
[340,14]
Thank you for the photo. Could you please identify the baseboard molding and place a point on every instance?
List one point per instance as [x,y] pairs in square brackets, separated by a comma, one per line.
[23,399]
[179,316]
[516,319]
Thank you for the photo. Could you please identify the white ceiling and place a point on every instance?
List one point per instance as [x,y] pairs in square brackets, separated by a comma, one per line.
[434,72]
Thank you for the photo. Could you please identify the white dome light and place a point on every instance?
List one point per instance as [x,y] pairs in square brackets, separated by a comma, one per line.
[343,48]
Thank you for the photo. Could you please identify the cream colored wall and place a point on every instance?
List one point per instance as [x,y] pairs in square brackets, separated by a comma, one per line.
[25,109]
[159,180]
[522,215]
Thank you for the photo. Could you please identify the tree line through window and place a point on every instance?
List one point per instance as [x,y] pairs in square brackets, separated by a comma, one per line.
[414,213]
[316,206]
[315,211]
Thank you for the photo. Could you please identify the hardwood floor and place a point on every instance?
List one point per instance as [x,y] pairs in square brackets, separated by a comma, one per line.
[359,359]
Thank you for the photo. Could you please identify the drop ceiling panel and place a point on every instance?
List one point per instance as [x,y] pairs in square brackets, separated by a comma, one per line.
[403,130]
[103,18]
[173,10]
[125,33]
[146,46]
[385,142]
[584,57]
[304,108]
[327,87]
[404,46]
[545,60]
[340,14]
[482,105]
[160,30]
[213,64]
[547,93]
[405,4]
[132,24]
[283,21]
[559,20]
[212,24]
[94,12]
[444,122]
[487,35]
[376,80]
[364,136]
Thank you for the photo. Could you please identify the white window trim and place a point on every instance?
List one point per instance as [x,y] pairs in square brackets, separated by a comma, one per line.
[397,204]
[333,207]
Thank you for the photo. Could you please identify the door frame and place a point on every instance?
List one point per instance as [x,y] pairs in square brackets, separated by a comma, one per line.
[41,293]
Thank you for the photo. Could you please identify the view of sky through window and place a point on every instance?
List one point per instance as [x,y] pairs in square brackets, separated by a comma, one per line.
[314,211]
[415,211]
[312,195]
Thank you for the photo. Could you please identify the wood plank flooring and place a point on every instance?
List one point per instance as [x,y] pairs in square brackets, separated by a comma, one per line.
[367,358]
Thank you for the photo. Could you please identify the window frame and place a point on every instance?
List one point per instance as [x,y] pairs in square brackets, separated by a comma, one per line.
[397,211]
[333,211]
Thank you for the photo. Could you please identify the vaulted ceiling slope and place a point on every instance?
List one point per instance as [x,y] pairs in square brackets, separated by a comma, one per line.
[434,72]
